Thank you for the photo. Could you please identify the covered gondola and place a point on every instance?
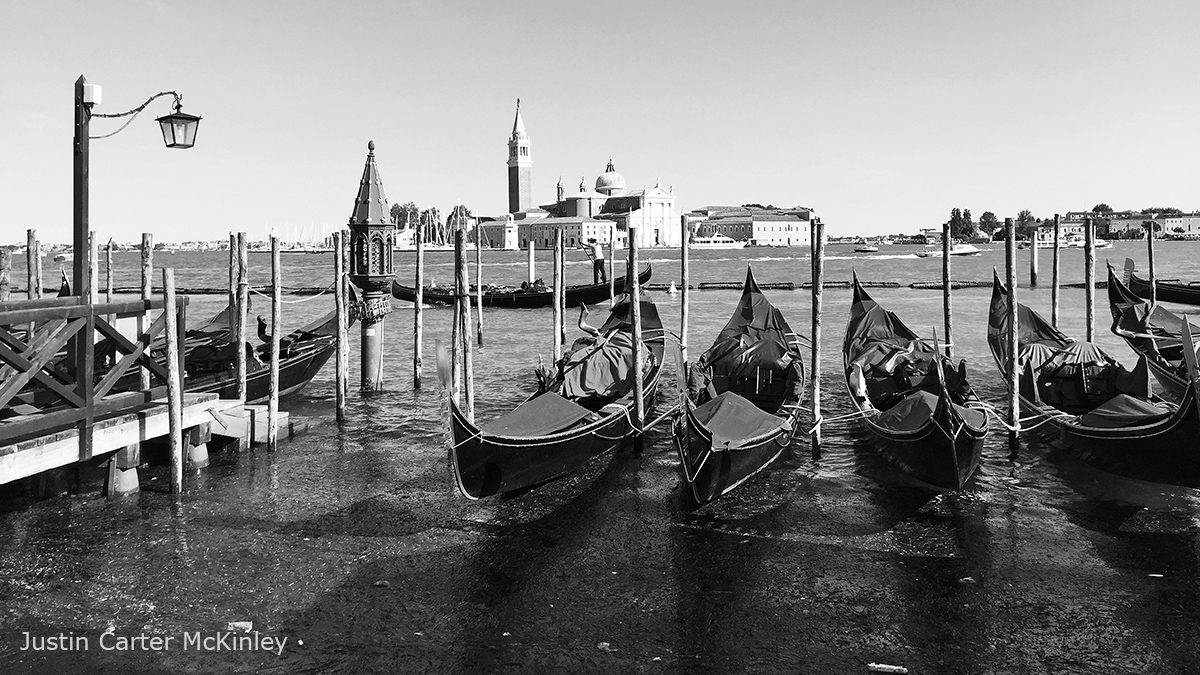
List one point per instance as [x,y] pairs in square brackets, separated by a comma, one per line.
[1150,331]
[928,419]
[1106,415]
[583,409]
[525,297]
[742,407]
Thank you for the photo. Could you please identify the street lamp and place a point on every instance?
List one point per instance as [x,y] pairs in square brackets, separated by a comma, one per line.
[178,129]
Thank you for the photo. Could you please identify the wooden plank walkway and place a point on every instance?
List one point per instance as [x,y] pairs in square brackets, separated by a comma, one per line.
[29,457]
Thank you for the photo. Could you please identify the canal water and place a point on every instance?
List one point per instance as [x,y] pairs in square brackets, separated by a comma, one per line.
[351,550]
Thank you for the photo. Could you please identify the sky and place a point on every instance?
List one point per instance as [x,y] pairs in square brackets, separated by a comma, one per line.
[881,116]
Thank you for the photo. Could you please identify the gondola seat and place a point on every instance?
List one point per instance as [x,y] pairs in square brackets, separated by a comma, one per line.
[539,416]
[731,417]
[1124,410]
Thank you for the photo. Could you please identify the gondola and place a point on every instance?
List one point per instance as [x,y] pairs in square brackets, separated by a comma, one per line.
[742,407]
[1150,331]
[581,410]
[1106,415]
[1165,291]
[524,298]
[928,419]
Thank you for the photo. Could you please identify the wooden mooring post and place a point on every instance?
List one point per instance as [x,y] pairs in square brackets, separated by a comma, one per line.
[147,292]
[276,327]
[463,295]
[817,240]
[1150,262]
[1055,282]
[947,314]
[685,244]
[1033,256]
[558,318]
[612,265]
[1089,275]
[1014,376]
[479,282]
[418,302]
[33,265]
[174,391]
[639,385]
[5,275]
[93,271]
[108,272]
[243,310]
[529,265]
[339,307]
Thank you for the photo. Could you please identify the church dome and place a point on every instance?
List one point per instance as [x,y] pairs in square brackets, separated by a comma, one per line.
[610,182]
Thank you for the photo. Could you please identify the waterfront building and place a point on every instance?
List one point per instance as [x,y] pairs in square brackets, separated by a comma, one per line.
[754,225]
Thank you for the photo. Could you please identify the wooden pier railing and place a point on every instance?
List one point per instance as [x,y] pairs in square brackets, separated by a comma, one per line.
[51,375]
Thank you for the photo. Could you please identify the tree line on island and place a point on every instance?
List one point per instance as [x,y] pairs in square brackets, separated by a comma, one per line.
[962,226]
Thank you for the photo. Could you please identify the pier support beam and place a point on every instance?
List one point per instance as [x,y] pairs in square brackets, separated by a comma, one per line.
[122,476]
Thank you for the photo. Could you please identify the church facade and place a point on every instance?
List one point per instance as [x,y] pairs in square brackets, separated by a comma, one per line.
[597,215]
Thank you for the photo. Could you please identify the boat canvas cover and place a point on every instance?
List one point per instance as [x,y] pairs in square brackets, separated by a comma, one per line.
[732,420]
[1124,410]
[600,367]
[539,416]
[752,340]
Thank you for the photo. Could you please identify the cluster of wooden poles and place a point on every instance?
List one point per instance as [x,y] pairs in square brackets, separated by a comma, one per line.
[462,343]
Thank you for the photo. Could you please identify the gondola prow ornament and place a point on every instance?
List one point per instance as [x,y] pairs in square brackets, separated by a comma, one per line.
[372,236]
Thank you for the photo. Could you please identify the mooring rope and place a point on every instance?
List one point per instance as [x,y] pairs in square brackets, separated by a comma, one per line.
[290,302]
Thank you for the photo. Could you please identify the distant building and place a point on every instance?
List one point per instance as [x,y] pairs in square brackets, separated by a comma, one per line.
[755,226]
[586,216]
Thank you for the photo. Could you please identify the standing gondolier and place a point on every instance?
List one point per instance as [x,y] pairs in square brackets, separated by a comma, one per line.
[596,252]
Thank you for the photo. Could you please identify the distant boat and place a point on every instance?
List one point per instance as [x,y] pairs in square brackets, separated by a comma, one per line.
[866,249]
[1071,240]
[716,241]
[956,249]
[64,257]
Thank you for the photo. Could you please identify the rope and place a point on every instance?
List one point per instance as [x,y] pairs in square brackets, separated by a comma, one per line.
[290,302]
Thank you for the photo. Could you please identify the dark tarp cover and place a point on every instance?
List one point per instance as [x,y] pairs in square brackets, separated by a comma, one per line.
[601,368]
[539,416]
[1123,410]
[731,419]
[914,410]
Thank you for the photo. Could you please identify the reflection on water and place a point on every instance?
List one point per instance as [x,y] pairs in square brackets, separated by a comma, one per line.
[355,540]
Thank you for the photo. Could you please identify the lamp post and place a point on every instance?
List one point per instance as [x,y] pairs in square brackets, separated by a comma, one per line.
[372,235]
[178,129]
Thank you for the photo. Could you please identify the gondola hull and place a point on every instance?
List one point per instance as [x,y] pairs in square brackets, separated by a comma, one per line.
[590,294]
[929,456]
[711,474]
[486,465]
[1131,316]
[1184,294]
[295,372]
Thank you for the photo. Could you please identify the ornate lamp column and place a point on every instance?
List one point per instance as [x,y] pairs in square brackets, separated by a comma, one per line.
[372,236]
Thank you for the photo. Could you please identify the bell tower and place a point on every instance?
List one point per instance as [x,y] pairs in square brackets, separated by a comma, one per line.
[520,167]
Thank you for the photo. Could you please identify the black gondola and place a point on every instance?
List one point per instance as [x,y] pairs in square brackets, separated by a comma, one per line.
[929,421]
[524,298]
[580,412]
[1165,291]
[1107,415]
[743,402]
[1152,332]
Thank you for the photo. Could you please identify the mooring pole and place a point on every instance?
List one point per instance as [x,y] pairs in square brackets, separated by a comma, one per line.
[418,301]
[612,265]
[5,275]
[108,272]
[1150,254]
[529,266]
[276,327]
[1054,273]
[232,282]
[243,309]
[174,395]
[339,307]
[33,259]
[1014,376]
[946,287]
[639,386]
[456,321]
[1033,255]
[683,280]
[558,319]
[1089,275]
[479,282]
[93,270]
[464,293]
[562,294]
[147,279]
[817,237]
